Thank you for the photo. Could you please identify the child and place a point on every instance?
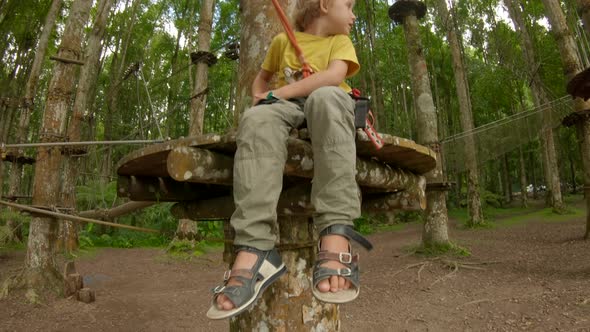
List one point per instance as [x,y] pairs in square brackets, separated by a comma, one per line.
[322,100]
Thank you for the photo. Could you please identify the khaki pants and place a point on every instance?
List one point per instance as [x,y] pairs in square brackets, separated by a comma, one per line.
[262,152]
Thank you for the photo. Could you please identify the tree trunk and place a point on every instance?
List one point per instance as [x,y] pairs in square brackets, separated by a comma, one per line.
[112,97]
[40,263]
[199,96]
[572,66]
[288,305]
[506,182]
[16,171]
[584,10]
[523,181]
[68,235]
[541,99]
[466,117]
[435,230]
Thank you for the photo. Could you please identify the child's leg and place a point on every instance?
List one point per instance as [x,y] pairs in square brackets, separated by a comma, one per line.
[258,171]
[330,119]
[258,179]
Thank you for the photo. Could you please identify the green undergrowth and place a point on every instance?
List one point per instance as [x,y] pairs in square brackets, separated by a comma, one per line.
[442,249]
[375,224]
[188,250]
[515,215]
[543,215]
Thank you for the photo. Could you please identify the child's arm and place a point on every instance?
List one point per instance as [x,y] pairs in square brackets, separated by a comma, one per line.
[260,86]
[332,76]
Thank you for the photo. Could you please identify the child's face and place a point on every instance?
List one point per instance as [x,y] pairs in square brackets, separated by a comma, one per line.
[340,16]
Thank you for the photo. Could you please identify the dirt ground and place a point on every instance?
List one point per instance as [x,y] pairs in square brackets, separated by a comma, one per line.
[534,276]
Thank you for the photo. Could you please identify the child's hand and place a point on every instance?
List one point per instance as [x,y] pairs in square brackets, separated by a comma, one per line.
[258,97]
[261,96]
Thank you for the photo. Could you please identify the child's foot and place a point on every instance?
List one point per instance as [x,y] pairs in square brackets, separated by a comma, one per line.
[337,244]
[253,272]
[244,260]
[336,270]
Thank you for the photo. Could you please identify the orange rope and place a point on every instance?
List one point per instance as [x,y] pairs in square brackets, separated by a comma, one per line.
[304,65]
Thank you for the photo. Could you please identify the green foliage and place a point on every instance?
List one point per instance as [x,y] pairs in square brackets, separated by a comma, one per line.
[439,249]
[19,218]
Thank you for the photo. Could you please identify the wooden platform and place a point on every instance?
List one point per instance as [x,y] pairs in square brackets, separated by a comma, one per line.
[399,152]
[200,169]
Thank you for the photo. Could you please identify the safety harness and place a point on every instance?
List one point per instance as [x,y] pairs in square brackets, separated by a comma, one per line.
[364,118]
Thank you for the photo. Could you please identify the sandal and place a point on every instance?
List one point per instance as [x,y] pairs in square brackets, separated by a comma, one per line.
[267,269]
[350,272]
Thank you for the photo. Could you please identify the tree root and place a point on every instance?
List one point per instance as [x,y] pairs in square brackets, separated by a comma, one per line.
[36,284]
[454,265]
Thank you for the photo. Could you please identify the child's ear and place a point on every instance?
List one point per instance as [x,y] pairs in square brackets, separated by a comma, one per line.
[324,6]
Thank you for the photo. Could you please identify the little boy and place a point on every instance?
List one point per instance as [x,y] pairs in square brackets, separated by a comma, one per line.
[322,101]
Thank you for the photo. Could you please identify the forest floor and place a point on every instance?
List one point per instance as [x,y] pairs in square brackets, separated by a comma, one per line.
[527,273]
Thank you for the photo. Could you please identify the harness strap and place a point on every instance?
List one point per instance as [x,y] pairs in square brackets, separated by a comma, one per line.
[304,64]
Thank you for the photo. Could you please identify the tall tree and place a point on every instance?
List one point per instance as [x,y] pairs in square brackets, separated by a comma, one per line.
[572,66]
[86,83]
[116,70]
[41,271]
[199,97]
[16,172]
[435,230]
[584,9]
[541,100]
[466,116]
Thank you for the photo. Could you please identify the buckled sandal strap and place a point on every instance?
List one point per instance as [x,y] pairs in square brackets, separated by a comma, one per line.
[348,232]
[342,257]
[350,273]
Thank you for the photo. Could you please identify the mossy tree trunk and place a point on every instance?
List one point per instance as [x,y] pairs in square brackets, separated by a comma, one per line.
[41,270]
[68,235]
[540,98]
[16,172]
[466,116]
[572,66]
[199,95]
[288,305]
[435,231]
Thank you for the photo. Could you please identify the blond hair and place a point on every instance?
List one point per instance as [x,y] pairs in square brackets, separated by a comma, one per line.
[306,12]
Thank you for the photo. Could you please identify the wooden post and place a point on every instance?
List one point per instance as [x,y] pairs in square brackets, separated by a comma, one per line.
[288,305]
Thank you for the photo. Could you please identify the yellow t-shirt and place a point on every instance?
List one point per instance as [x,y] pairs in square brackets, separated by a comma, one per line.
[318,51]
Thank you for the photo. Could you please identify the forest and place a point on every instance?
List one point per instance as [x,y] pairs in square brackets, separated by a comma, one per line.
[88,84]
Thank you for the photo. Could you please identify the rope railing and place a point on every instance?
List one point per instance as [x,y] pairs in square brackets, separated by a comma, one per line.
[76,218]
[504,135]
[83,143]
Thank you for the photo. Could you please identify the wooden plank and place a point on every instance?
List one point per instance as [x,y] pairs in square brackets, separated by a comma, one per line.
[202,166]
[399,152]
[140,188]
[296,201]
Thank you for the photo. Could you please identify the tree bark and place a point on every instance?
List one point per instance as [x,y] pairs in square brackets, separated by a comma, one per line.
[288,305]
[118,62]
[68,235]
[506,181]
[40,262]
[199,97]
[435,231]
[540,98]
[466,117]
[16,171]
[572,66]
[584,10]
[523,180]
